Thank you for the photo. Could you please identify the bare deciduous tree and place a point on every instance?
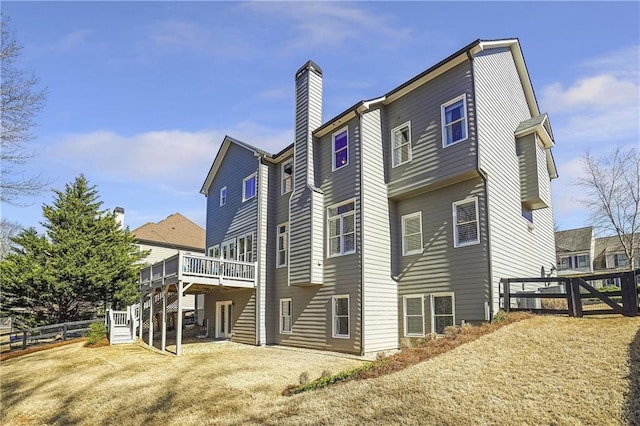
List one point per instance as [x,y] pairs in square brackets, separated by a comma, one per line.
[21,100]
[612,195]
[8,230]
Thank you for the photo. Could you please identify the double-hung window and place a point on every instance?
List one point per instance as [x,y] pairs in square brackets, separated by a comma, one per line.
[340,313]
[442,312]
[401,144]
[414,316]
[454,121]
[245,248]
[249,187]
[223,196]
[620,260]
[412,234]
[285,316]
[283,244]
[340,149]
[214,251]
[342,229]
[466,227]
[287,176]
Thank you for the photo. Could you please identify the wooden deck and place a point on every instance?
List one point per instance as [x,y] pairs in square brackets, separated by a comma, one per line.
[200,270]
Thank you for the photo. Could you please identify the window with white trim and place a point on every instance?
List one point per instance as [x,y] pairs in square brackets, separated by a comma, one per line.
[413,315]
[620,260]
[245,248]
[286,309]
[412,234]
[214,251]
[454,121]
[466,227]
[340,313]
[340,149]
[287,176]
[249,187]
[223,196]
[228,249]
[341,221]
[442,312]
[401,144]
[283,244]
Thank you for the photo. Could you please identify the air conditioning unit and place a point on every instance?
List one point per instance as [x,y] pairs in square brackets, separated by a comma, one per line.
[527,303]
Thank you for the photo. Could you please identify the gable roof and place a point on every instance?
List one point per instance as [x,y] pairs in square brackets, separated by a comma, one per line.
[174,231]
[574,240]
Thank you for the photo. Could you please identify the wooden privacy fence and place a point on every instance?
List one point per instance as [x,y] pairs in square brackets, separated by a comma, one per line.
[21,339]
[574,296]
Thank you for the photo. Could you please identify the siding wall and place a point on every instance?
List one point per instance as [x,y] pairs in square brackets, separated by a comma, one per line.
[235,219]
[516,250]
[431,164]
[441,267]
[244,311]
[379,290]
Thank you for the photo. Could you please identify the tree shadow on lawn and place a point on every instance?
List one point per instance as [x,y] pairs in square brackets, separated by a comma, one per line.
[632,407]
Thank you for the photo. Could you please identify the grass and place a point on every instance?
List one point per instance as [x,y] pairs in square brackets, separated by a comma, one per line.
[544,370]
[455,336]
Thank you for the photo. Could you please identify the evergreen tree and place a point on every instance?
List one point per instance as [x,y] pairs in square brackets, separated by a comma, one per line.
[84,262]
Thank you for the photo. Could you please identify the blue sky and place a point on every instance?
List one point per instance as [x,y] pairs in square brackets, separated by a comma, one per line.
[141,94]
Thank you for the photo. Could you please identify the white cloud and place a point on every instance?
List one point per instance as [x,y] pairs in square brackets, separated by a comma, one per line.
[172,160]
[67,43]
[331,23]
[602,106]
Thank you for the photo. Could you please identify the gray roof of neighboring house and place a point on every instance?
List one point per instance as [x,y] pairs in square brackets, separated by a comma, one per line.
[574,240]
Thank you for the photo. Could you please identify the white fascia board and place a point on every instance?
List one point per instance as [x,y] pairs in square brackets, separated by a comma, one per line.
[336,124]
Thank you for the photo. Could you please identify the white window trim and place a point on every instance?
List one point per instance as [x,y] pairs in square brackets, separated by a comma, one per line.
[393,147]
[333,149]
[278,233]
[212,248]
[223,200]
[282,179]
[404,248]
[455,220]
[228,243]
[244,187]
[433,313]
[244,237]
[404,312]
[333,316]
[462,97]
[282,331]
[342,252]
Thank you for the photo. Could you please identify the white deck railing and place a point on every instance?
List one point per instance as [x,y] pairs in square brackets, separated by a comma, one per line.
[190,267]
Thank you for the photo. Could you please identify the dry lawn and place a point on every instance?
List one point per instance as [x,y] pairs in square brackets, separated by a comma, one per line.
[545,370]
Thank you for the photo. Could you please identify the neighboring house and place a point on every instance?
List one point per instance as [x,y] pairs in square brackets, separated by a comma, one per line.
[575,249]
[392,220]
[579,252]
[164,239]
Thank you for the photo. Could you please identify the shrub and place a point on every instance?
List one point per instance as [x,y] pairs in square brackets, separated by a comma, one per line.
[499,316]
[97,332]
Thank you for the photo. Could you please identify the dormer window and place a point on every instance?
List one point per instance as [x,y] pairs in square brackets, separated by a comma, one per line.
[340,149]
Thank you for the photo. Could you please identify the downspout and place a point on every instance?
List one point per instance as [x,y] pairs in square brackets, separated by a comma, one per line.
[258,273]
[485,180]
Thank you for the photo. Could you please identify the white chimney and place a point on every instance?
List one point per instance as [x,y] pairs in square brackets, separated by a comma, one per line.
[118,212]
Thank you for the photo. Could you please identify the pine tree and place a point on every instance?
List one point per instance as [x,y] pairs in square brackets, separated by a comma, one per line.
[84,262]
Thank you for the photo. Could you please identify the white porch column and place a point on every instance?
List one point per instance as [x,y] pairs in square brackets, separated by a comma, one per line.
[141,316]
[179,322]
[163,347]
[153,290]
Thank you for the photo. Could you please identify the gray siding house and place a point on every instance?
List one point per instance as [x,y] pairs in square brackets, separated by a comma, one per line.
[392,220]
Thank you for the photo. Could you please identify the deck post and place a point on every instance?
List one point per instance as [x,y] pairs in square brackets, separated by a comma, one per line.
[179,324]
[141,316]
[163,347]
[151,302]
